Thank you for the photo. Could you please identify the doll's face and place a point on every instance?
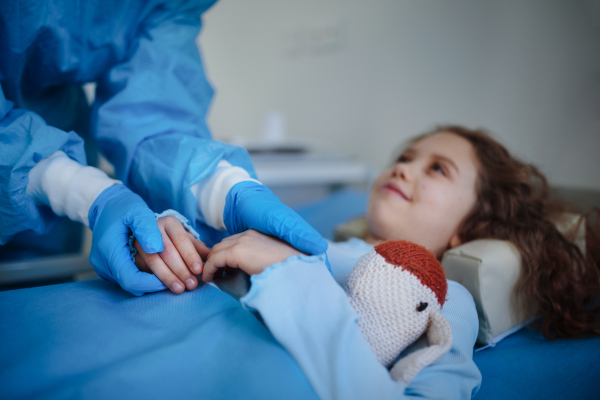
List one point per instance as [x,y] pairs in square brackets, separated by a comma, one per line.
[426,195]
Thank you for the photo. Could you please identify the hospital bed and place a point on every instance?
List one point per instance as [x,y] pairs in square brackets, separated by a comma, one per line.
[93,340]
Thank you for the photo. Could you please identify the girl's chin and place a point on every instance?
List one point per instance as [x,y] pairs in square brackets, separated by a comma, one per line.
[379,228]
[383,210]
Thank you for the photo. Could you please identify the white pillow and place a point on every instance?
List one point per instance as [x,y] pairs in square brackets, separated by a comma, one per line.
[489,269]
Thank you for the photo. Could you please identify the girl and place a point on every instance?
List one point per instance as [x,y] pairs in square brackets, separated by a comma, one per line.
[454,185]
[423,198]
[448,187]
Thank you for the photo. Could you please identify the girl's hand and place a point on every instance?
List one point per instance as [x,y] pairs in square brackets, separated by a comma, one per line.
[251,251]
[181,258]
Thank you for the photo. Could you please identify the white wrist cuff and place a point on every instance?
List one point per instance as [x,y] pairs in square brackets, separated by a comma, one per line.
[68,187]
[211,192]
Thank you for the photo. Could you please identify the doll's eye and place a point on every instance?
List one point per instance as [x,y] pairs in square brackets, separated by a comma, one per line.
[421,307]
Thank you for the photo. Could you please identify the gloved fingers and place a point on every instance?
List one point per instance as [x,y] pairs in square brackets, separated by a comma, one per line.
[103,275]
[250,205]
[172,259]
[137,282]
[219,259]
[144,227]
[291,228]
[185,248]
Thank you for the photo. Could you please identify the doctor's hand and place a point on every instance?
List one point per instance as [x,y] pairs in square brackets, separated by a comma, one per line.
[115,213]
[181,258]
[251,205]
[250,251]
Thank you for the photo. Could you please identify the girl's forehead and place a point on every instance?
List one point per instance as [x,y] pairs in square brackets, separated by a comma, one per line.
[445,144]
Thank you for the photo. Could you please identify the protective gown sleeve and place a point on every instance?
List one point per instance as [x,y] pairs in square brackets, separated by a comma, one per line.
[310,315]
[150,116]
[25,140]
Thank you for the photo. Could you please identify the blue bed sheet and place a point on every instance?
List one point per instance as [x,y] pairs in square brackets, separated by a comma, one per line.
[527,366]
[93,340]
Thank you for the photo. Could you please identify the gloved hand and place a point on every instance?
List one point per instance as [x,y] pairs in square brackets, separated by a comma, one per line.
[250,205]
[115,213]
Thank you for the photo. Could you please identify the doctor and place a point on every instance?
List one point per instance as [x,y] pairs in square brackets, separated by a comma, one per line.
[149,121]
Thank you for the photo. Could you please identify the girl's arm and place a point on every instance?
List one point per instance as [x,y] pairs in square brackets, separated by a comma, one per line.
[309,314]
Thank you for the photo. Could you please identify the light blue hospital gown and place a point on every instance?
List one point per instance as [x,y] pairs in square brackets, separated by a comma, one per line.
[309,314]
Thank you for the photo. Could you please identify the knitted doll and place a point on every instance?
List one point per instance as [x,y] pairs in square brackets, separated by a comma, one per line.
[398,289]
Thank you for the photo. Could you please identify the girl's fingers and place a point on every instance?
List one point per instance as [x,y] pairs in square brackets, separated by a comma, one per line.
[232,237]
[223,245]
[186,249]
[170,256]
[219,259]
[201,248]
[162,272]
[141,264]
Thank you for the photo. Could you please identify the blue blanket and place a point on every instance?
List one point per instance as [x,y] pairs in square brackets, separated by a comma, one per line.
[527,366]
[93,340]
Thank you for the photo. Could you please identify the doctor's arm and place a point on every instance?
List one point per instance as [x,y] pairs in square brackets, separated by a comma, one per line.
[43,175]
[150,123]
[26,140]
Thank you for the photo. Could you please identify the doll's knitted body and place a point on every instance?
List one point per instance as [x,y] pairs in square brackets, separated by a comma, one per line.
[398,289]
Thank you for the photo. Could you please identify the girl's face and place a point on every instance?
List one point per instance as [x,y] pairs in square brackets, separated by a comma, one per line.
[427,194]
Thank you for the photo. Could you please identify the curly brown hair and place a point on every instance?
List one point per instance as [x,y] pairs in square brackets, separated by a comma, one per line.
[558,281]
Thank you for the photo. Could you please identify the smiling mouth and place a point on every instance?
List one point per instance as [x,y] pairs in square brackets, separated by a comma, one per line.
[395,189]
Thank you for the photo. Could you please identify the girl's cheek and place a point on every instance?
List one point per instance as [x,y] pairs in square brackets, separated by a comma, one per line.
[378,183]
[435,195]
[430,192]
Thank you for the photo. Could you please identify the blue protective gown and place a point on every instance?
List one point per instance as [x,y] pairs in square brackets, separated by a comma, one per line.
[151,99]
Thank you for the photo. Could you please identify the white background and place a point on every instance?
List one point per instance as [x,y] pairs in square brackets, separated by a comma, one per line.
[529,71]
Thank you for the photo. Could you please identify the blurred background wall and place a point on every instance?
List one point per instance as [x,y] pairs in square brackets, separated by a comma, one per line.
[365,75]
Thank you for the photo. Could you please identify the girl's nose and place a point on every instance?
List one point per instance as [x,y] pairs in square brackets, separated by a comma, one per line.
[403,171]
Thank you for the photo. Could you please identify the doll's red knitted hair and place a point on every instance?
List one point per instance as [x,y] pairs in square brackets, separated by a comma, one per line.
[417,260]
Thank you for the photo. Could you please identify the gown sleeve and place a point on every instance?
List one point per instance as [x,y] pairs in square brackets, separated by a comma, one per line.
[150,113]
[310,315]
[25,140]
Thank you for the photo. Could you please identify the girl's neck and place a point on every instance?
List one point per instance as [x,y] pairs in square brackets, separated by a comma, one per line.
[372,239]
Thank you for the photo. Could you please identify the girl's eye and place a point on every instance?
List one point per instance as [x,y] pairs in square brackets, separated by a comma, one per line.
[437,167]
[403,159]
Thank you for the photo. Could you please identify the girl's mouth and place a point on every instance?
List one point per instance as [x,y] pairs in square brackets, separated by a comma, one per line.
[391,187]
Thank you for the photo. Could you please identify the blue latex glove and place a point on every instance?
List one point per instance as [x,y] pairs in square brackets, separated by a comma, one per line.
[113,216]
[250,205]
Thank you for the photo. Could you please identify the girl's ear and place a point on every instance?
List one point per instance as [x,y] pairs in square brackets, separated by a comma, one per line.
[455,241]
